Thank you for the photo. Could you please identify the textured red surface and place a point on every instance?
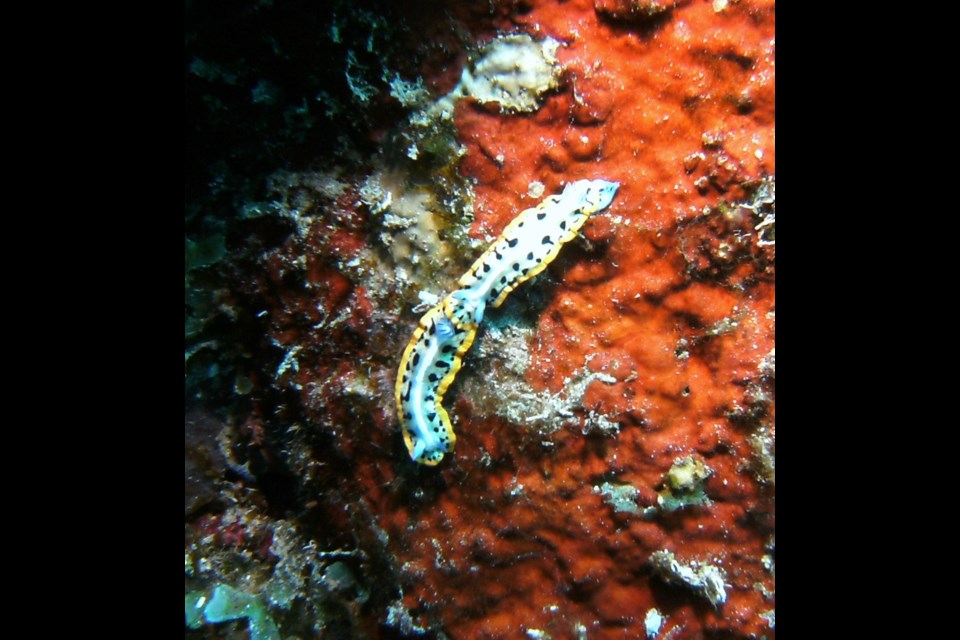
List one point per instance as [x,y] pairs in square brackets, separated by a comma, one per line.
[680,110]
[508,534]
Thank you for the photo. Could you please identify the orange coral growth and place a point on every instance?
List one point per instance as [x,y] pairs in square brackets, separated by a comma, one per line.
[663,314]
[670,305]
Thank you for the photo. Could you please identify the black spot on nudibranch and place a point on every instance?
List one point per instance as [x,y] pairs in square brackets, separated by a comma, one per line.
[432,377]
[530,256]
[541,216]
[486,268]
[433,328]
[512,243]
[546,240]
[516,266]
[447,348]
[416,359]
[442,364]
[563,225]
[431,417]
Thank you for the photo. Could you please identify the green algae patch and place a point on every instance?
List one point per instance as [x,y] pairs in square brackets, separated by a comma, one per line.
[228,604]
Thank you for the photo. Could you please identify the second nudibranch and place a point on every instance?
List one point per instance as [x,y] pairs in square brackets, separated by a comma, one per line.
[434,354]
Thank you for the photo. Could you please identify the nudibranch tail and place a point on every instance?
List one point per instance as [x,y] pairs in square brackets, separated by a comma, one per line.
[435,352]
[428,366]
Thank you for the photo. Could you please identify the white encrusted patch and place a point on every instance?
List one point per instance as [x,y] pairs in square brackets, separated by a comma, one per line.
[513,71]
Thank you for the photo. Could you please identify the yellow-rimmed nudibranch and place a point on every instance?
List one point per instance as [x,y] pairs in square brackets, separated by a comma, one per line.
[434,354]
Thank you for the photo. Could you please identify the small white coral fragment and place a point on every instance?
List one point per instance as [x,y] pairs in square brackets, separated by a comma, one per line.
[770,617]
[622,497]
[399,618]
[768,366]
[652,623]
[409,94]
[705,579]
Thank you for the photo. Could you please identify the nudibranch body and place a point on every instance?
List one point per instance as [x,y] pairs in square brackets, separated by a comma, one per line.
[530,242]
[428,366]
[432,358]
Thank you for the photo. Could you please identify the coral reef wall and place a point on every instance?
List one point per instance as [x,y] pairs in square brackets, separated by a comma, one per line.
[614,472]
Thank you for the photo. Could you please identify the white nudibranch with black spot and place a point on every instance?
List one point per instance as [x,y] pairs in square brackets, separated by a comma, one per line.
[435,352]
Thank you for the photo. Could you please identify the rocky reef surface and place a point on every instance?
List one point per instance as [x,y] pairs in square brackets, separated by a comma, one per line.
[614,473]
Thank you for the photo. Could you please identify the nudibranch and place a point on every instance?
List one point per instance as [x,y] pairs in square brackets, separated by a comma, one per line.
[428,366]
[435,352]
